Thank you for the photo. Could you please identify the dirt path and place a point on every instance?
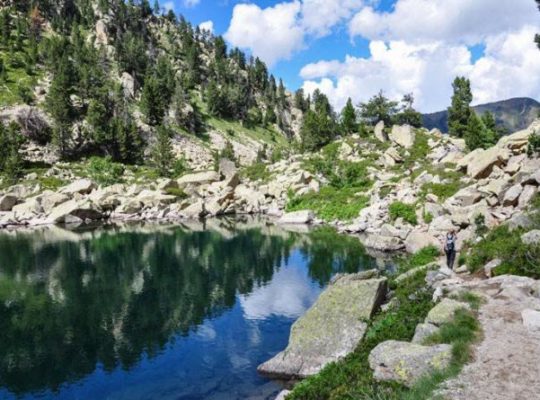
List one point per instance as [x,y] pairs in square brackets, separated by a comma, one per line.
[506,362]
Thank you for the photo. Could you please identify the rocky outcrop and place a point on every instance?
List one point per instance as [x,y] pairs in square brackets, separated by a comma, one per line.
[403,136]
[343,307]
[406,362]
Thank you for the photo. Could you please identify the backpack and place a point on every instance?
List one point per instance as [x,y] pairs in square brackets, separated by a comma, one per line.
[450,243]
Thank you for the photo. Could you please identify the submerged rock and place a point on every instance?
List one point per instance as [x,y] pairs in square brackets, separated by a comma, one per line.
[330,329]
[406,362]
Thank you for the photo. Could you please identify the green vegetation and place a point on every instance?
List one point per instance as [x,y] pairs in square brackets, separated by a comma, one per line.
[442,190]
[534,144]
[516,257]
[257,171]
[422,257]
[177,192]
[352,378]
[380,108]
[11,162]
[104,171]
[405,211]
[331,203]
[460,110]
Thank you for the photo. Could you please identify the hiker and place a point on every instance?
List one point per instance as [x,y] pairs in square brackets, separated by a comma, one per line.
[450,249]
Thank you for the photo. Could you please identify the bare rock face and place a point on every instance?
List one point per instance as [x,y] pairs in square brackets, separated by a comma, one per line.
[406,362]
[330,329]
[73,209]
[403,136]
[199,178]
[379,132]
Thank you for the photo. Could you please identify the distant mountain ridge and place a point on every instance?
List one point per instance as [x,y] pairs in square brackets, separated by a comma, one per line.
[512,115]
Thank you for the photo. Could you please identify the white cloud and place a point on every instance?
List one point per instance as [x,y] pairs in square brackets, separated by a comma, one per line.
[272,33]
[191,3]
[510,67]
[289,294]
[276,33]
[207,26]
[168,6]
[467,21]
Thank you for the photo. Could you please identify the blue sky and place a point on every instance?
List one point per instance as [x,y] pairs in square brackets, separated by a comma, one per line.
[353,48]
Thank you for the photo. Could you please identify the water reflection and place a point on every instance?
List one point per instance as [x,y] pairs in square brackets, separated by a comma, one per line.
[174,306]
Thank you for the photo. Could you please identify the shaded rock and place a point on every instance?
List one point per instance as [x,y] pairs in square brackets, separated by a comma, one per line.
[329,330]
[519,220]
[511,196]
[423,331]
[81,186]
[403,136]
[406,362]
[531,238]
[8,201]
[194,211]
[529,191]
[481,165]
[444,311]
[297,217]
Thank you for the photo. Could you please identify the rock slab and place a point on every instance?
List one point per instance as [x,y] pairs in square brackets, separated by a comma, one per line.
[329,330]
[406,362]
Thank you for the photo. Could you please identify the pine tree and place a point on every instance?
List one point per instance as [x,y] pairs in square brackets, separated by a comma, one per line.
[349,124]
[152,104]
[460,111]
[408,115]
[162,152]
[157,8]
[58,104]
[378,108]
[3,70]
[319,125]
[477,134]
[11,161]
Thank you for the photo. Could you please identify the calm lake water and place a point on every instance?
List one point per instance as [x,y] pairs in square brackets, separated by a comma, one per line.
[157,311]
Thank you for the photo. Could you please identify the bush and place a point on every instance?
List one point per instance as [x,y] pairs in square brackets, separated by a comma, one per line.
[534,144]
[104,171]
[179,167]
[177,192]
[330,203]
[257,171]
[442,190]
[405,211]
[516,257]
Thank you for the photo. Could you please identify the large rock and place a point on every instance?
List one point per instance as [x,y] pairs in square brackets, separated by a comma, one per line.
[382,242]
[81,186]
[50,200]
[128,85]
[330,329]
[199,178]
[82,210]
[529,191]
[406,362]
[511,196]
[101,32]
[7,202]
[379,132]
[297,217]
[480,163]
[403,136]
[531,238]
[444,311]
[417,240]
[531,320]
[423,331]
[194,211]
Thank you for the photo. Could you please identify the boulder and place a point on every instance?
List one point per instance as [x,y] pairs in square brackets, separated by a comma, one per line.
[81,186]
[8,201]
[383,243]
[403,135]
[297,217]
[167,184]
[423,331]
[379,132]
[194,211]
[406,362]
[417,240]
[490,266]
[531,238]
[128,85]
[519,140]
[529,191]
[199,178]
[531,320]
[50,200]
[511,196]
[483,161]
[393,154]
[83,210]
[227,168]
[330,329]
[130,207]
[101,32]
[444,311]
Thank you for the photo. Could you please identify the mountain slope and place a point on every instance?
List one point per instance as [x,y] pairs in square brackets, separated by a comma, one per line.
[511,115]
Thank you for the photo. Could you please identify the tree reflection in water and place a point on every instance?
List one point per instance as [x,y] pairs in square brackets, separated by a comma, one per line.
[70,300]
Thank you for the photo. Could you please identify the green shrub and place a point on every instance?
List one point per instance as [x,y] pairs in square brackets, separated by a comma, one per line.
[331,203]
[422,257]
[177,192]
[442,190]
[257,171]
[180,167]
[104,171]
[405,211]
[428,217]
[516,257]
[534,144]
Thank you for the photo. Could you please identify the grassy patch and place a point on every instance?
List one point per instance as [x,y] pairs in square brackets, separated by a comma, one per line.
[256,172]
[516,257]
[422,257]
[331,203]
[405,211]
[177,192]
[442,190]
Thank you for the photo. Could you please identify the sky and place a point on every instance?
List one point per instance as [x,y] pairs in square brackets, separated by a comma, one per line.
[354,48]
